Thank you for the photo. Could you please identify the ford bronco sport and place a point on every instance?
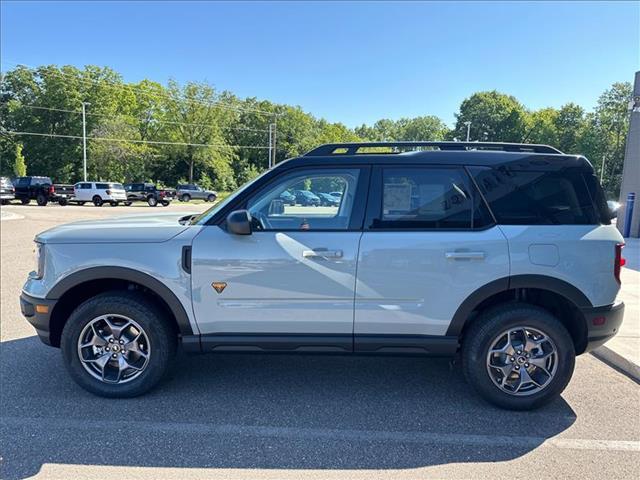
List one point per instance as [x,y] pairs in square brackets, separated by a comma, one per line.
[502,254]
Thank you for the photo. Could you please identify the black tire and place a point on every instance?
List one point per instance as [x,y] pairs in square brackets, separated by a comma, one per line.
[81,203]
[62,202]
[185,197]
[211,198]
[127,204]
[152,201]
[42,200]
[97,201]
[25,201]
[165,203]
[485,330]
[4,202]
[113,203]
[162,342]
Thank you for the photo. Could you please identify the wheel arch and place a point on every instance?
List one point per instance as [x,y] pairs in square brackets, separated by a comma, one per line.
[561,298]
[74,289]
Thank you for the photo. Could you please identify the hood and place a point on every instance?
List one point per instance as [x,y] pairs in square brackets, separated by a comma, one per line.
[130,229]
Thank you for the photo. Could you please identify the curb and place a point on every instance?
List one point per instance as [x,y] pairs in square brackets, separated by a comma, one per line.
[618,362]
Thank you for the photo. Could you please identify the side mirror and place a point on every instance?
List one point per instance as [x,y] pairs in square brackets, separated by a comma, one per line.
[276,207]
[614,207]
[239,222]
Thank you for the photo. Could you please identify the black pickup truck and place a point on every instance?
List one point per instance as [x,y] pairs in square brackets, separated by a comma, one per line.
[148,192]
[42,190]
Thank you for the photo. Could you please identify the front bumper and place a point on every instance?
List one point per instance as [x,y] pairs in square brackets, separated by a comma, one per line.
[37,311]
[602,323]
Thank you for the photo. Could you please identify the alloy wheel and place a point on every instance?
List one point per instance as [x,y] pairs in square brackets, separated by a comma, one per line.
[114,349]
[522,361]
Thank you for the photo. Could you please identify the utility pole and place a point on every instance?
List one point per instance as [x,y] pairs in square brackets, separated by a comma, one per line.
[84,139]
[270,144]
[604,160]
[468,124]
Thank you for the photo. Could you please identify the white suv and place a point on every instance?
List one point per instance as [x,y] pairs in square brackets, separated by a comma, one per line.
[502,254]
[98,193]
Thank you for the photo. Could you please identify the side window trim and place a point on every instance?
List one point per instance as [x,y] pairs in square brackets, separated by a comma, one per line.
[374,203]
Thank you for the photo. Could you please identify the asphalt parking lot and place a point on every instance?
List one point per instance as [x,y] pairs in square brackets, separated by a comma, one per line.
[232,416]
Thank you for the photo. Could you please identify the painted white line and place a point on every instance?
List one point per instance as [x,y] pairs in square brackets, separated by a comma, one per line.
[5,215]
[457,439]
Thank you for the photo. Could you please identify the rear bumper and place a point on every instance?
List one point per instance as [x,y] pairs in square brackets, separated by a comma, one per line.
[38,317]
[602,323]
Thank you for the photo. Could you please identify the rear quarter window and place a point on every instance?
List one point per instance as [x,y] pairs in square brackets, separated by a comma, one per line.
[538,198]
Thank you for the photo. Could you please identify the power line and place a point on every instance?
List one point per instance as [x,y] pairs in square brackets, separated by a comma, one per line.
[124,140]
[79,112]
[146,92]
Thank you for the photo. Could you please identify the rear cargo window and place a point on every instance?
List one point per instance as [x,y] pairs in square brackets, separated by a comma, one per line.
[538,198]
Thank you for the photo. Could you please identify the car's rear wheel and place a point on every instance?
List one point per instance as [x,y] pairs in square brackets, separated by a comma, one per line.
[117,344]
[81,203]
[114,203]
[42,200]
[25,201]
[152,201]
[518,356]
[165,203]
[62,202]
[211,198]
[127,204]
[185,198]
[97,201]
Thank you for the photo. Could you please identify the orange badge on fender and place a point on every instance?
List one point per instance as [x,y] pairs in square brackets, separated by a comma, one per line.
[219,286]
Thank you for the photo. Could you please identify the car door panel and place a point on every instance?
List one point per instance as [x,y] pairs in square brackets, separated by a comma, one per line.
[299,282]
[410,283]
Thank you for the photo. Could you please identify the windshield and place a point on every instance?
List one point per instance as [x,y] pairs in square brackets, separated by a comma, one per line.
[204,217]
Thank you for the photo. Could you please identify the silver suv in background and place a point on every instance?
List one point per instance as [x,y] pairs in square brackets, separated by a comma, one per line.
[7,190]
[501,254]
[190,191]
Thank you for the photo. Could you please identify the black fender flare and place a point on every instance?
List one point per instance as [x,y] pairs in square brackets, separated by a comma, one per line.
[130,275]
[541,282]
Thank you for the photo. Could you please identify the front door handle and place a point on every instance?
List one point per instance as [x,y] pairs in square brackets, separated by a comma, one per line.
[464,255]
[322,253]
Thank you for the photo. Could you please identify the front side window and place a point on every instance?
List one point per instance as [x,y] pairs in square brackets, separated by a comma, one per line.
[297,201]
[428,198]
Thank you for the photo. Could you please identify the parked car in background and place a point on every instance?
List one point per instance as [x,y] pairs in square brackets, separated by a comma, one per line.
[148,192]
[191,191]
[7,190]
[98,193]
[336,194]
[307,198]
[328,200]
[42,190]
[288,198]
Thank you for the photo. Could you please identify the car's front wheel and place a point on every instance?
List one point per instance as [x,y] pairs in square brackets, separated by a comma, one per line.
[97,201]
[117,344]
[211,198]
[152,201]
[42,200]
[518,356]
[185,198]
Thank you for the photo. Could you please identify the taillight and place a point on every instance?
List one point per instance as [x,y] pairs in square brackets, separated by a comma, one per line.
[162,194]
[619,262]
[51,189]
[108,192]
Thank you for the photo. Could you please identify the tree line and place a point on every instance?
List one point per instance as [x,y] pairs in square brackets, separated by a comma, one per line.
[174,133]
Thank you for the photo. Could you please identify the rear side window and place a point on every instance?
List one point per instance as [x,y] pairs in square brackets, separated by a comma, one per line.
[537,198]
[102,186]
[429,198]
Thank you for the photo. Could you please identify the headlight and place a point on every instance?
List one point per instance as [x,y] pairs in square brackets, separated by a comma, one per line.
[39,257]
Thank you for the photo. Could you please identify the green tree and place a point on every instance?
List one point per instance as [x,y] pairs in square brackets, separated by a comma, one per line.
[494,117]
[19,166]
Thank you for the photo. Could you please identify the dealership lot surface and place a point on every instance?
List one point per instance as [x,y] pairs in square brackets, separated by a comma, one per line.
[231,416]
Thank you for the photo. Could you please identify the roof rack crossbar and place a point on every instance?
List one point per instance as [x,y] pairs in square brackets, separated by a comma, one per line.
[330,149]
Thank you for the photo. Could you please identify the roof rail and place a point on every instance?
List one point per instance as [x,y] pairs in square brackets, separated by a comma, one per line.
[400,147]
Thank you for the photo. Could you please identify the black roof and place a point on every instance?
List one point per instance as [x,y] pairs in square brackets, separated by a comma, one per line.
[510,155]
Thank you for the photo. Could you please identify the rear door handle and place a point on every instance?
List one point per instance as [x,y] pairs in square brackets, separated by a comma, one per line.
[322,253]
[464,255]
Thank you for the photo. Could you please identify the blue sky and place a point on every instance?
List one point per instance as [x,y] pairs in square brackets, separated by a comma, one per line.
[350,62]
